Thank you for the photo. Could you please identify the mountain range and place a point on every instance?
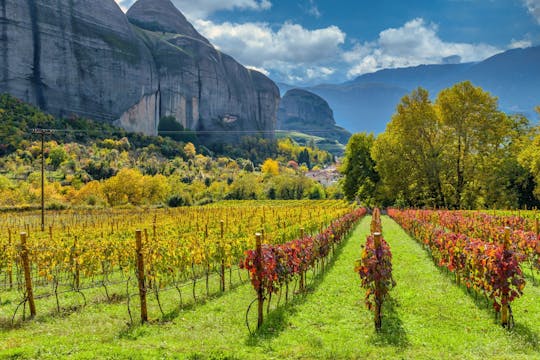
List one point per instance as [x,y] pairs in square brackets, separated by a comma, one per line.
[368,102]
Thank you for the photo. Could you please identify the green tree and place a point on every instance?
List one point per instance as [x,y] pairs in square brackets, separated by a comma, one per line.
[409,154]
[474,130]
[57,155]
[361,178]
[303,158]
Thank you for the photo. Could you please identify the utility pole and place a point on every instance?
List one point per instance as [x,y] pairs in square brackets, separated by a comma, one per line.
[43,132]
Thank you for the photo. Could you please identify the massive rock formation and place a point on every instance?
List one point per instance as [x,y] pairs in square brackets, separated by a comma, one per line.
[84,57]
[303,111]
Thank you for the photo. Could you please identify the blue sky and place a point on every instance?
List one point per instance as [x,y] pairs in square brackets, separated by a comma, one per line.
[308,42]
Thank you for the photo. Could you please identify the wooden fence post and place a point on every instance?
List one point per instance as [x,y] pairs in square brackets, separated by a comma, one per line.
[302,274]
[27,275]
[505,321]
[10,266]
[222,246]
[140,276]
[74,256]
[260,289]
[378,300]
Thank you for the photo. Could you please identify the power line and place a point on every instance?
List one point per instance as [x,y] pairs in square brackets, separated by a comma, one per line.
[193,132]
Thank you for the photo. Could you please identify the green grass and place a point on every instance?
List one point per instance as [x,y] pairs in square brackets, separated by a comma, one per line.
[303,139]
[427,317]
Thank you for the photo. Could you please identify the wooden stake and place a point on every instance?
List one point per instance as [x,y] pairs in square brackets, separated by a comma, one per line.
[378,301]
[27,275]
[10,267]
[140,276]
[76,264]
[260,290]
[222,245]
[505,321]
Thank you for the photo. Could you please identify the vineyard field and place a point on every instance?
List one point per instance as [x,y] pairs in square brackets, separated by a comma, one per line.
[426,315]
[84,253]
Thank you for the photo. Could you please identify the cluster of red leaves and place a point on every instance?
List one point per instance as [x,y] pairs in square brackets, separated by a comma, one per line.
[490,228]
[375,270]
[281,263]
[485,266]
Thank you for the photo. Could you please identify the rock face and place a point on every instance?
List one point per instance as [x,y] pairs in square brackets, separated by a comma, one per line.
[306,112]
[84,57]
[162,16]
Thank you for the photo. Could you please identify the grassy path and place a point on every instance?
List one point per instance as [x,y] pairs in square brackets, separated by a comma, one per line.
[428,317]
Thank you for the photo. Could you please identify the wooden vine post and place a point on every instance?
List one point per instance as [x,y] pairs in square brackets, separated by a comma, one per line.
[74,261]
[505,311]
[260,289]
[302,274]
[378,290]
[10,267]
[222,247]
[27,275]
[140,275]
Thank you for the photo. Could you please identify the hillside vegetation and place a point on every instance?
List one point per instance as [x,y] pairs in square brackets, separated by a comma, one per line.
[94,164]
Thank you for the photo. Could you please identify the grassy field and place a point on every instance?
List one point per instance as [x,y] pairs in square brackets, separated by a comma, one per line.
[427,317]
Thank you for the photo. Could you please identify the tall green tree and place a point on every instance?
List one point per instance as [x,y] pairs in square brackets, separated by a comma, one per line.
[361,178]
[409,154]
[476,132]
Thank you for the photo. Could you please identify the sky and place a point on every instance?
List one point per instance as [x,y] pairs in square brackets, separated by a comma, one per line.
[307,42]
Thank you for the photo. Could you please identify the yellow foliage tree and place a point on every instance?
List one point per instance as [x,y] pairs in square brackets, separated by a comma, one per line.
[190,150]
[91,194]
[155,188]
[270,167]
[124,187]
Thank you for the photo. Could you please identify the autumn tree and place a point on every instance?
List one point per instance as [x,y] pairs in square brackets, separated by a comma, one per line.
[270,167]
[190,150]
[358,167]
[409,154]
[459,152]
[125,187]
[475,129]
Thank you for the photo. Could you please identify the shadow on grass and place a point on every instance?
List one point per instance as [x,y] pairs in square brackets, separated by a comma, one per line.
[133,331]
[526,336]
[19,319]
[392,332]
[277,321]
[199,301]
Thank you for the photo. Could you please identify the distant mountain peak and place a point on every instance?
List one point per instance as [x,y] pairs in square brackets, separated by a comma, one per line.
[304,111]
[162,15]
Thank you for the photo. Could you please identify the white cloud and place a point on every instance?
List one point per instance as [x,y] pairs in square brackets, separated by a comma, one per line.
[313,9]
[534,8]
[520,44]
[261,70]
[202,8]
[124,4]
[413,44]
[291,50]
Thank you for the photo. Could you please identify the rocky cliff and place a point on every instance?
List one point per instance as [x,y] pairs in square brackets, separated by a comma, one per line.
[303,111]
[86,58]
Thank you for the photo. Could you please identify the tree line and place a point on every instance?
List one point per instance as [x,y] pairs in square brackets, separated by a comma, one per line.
[459,151]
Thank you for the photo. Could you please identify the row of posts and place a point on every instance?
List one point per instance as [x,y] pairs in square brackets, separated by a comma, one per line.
[29,294]
[376,231]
